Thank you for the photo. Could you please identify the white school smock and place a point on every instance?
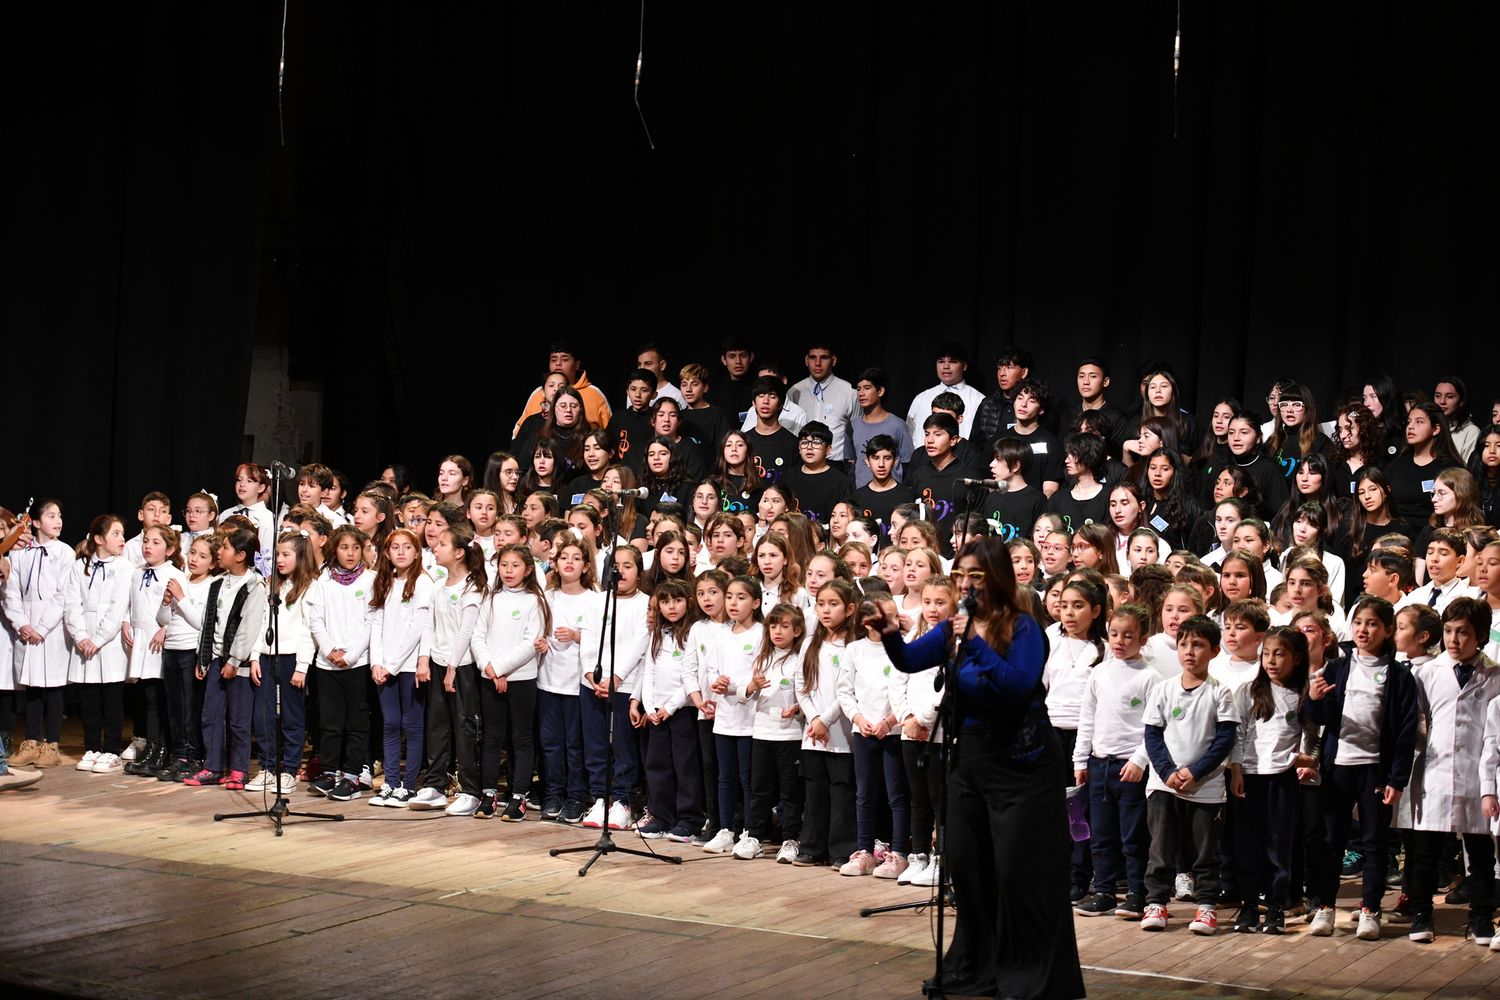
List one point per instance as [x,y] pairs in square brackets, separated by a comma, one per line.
[822,702]
[95,608]
[265,524]
[293,636]
[563,665]
[134,551]
[8,643]
[630,638]
[455,612]
[663,684]
[1489,757]
[1268,746]
[338,615]
[335,515]
[865,687]
[732,654]
[779,694]
[1446,783]
[1111,710]
[183,616]
[401,630]
[1456,587]
[35,595]
[148,585]
[510,622]
[695,651]
[1189,721]
[1064,676]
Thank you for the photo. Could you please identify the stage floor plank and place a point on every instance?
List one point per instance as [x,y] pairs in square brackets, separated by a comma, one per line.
[122,887]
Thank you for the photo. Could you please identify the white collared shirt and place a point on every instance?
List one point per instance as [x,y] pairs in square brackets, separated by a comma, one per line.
[833,402]
[921,408]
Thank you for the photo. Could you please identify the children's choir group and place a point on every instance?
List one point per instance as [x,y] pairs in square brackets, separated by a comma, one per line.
[1270,641]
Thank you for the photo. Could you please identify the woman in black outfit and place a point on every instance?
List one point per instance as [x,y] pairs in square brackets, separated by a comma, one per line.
[1006,827]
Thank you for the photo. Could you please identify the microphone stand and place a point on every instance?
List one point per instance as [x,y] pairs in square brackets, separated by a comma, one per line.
[605,844]
[279,808]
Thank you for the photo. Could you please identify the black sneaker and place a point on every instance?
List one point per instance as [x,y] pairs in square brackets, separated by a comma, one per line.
[682,833]
[1077,894]
[1247,920]
[323,785]
[534,801]
[1421,928]
[175,770]
[1100,904]
[552,807]
[1393,872]
[653,830]
[809,861]
[486,808]
[1133,907]
[572,812]
[1354,863]
[1481,929]
[344,791]
[1460,894]
[1275,921]
[515,810]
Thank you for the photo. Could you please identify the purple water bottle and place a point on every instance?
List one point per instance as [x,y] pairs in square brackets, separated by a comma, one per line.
[1078,821]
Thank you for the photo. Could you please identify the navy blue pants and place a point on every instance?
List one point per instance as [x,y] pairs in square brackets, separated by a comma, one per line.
[882,755]
[1344,788]
[276,670]
[595,717]
[230,699]
[674,776]
[562,745]
[403,710]
[734,775]
[1117,817]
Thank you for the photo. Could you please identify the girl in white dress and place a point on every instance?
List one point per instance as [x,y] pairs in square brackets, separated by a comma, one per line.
[94,609]
[33,605]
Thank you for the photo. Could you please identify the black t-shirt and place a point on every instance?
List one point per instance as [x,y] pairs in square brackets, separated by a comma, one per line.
[974,463]
[733,497]
[706,425]
[735,396]
[1044,458]
[1270,482]
[572,493]
[869,503]
[1176,531]
[940,491]
[817,493]
[1077,513]
[631,432]
[776,454]
[1012,513]
[1411,488]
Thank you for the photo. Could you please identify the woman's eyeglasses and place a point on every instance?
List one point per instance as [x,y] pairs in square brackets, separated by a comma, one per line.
[960,576]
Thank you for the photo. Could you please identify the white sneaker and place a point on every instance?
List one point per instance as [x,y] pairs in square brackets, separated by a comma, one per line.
[1321,923]
[259,783]
[594,818]
[748,848]
[1184,888]
[108,763]
[722,843]
[87,761]
[463,805]
[288,783]
[930,875]
[382,797]
[1495,943]
[400,798]
[427,798]
[619,816]
[133,751]
[366,780]
[1369,925]
[788,852]
[915,865]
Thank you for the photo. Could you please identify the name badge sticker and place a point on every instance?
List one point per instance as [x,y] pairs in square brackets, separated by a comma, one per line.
[1427,485]
[1039,448]
[1158,523]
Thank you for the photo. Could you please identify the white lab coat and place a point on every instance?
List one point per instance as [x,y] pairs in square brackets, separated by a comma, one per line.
[95,608]
[34,596]
[1444,792]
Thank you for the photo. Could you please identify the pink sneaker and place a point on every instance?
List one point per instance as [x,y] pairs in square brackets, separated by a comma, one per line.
[892,867]
[859,863]
[235,781]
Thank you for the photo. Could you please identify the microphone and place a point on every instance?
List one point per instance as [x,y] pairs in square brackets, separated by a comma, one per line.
[989,484]
[966,606]
[282,469]
[640,493]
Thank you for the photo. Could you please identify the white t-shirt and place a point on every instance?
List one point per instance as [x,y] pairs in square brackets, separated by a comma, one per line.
[1364,704]
[1268,746]
[1189,721]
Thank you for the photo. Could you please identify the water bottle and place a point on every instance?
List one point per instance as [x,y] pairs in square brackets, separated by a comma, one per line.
[1078,821]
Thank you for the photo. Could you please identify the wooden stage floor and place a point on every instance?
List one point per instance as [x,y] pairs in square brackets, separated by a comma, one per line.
[124,887]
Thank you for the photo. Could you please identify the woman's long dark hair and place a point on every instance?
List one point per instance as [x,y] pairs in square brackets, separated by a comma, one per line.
[1001,604]
[1281,524]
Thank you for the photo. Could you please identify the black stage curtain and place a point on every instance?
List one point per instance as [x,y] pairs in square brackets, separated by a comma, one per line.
[464,182]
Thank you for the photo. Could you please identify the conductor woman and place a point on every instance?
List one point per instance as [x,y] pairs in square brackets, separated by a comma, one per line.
[1007,828]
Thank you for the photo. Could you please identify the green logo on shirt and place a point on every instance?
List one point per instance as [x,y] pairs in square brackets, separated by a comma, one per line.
[887,670]
[1291,716]
[677,654]
[452,598]
[1177,712]
[786,682]
[748,647]
[835,659]
[359,593]
[515,612]
[1380,677]
[1135,702]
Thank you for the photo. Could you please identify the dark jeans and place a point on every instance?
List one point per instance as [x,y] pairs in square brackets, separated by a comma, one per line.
[44,705]
[1174,821]
[924,782]
[103,710]
[734,775]
[1267,818]
[276,671]
[452,735]
[1429,849]
[562,745]
[594,712]
[708,757]
[882,755]
[403,707]
[1080,859]
[1117,817]
[231,698]
[506,717]
[1307,844]
[674,777]
[774,768]
[828,818]
[345,718]
[1346,787]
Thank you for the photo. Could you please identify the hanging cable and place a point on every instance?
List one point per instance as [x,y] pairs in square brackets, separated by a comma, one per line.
[640,54]
[1176,66]
[281,75]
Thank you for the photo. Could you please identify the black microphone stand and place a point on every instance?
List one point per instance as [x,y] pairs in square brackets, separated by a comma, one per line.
[606,844]
[279,808]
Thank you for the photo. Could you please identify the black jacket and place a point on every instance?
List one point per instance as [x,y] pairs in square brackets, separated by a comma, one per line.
[1398,722]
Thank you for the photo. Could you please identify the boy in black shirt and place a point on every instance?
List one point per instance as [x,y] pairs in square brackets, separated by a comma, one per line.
[817,484]
[1044,459]
[1014,508]
[701,420]
[630,427]
[937,483]
[736,390]
[775,447]
[882,494]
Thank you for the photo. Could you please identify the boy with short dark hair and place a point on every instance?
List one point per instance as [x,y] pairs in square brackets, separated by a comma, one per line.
[817,484]
[1013,509]
[882,494]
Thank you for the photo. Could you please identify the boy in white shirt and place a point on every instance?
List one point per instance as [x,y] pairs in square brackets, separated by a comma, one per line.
[1445,551]
[1245,624]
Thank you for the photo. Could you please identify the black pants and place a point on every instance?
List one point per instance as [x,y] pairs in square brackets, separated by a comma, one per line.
[775,765]
[708,755]
[1307,844]
[346,720]
[924,781]
[151,699]
[1346,787]
[828,813]
[183,693]
[44,705]
[103,709]
[506,718]
[452,734]
[1267,818]
[674,774]
[1174,821]
[1080,857]
[1429,849]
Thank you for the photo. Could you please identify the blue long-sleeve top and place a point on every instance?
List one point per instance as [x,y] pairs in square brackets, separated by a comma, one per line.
[1161,757]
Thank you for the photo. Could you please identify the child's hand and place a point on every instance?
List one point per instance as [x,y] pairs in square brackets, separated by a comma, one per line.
[721,684]
[1317,687]
[637,718]
[565,635]
[540,645]
[1304,762]
[450,680]
[1306,773]
[172,593]
[424,670]
[30,635]
[337,659]
[299,679]
[1080,777]
[128,635]
[158,640]
[1183,779]
[255,672]
[709,708]
[1236,781]
[379,674]
[227,672]
[882,729]
[913,729]
[817,731]
[502,684]
[201,670]
[1132,773]
[1490,805]
[790,712]
[1391,796]
[87,648]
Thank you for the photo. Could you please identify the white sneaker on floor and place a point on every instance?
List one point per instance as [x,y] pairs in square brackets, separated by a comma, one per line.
[464,805]
[366,780]
[930,875]
[1320,924]
[594,818]
[722,843]
[87,761]
[1369,925]
[1183,888]
[748,848]
[619,816]
[382,797]
[108,763]
[259,783]
[788,852]
[915,865]
[427,798]
[133,751]
[288,783]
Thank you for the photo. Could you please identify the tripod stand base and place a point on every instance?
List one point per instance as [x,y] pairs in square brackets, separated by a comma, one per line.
[606,845]
[870,911]
[278,811]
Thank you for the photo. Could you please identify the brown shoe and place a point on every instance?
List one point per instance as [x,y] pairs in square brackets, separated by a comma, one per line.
[15,778]
[48,756]
[26,754]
